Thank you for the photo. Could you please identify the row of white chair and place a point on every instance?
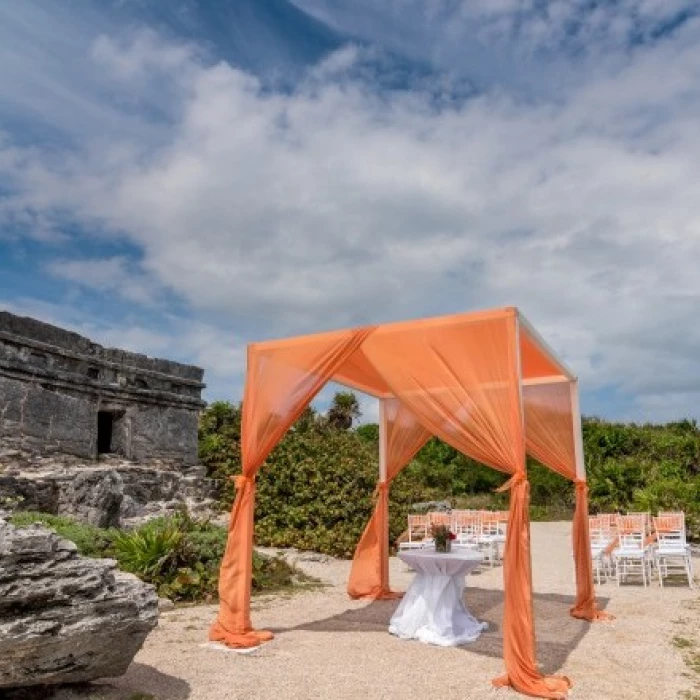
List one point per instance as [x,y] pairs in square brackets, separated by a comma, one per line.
[637,543]
[477,529]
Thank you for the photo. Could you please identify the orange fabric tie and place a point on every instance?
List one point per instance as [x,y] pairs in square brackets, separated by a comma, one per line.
[240,481]
[514,481]
[380,488]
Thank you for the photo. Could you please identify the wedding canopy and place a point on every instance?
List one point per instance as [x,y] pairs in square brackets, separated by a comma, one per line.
[485,383]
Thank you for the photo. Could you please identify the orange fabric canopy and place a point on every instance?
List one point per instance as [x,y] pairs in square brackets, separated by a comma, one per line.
[484,382]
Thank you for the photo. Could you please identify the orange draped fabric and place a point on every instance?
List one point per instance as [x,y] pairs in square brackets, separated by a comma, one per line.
[549,426]
[585,606]
[550,436]
[462,382]
[518,624]
[281,381]
[402,436]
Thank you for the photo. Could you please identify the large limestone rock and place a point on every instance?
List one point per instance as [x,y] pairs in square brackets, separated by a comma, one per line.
[94,497]
[65,618]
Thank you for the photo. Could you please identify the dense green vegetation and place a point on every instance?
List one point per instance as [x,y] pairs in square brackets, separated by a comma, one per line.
[315,490]
[178,554]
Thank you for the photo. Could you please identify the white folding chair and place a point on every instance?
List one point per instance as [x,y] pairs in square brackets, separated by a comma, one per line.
[501,517]
[600,537]
[488,537]
[417,533]
[465,525]
[671,549]
[633,554]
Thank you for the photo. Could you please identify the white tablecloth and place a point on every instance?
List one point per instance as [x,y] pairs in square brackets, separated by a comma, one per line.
[433,610]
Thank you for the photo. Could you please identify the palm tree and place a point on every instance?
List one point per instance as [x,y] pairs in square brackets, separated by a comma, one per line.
[343,409]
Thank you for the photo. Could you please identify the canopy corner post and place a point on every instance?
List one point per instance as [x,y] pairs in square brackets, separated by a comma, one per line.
[519,372]
[383,433]
[578,430]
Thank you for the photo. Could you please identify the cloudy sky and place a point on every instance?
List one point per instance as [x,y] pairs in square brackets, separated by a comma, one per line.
[180,177]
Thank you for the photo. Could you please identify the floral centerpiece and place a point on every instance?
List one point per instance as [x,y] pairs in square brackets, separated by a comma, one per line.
[442,536]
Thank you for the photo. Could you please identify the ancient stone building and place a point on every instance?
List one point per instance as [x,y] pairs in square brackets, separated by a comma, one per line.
[60,393]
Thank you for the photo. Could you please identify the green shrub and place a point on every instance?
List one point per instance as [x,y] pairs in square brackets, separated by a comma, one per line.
[315,490]
[181,556]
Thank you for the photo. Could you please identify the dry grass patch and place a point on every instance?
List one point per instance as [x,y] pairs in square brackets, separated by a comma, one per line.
[687,641]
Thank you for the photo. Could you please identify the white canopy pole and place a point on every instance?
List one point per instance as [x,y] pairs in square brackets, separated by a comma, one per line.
[382,441]
[578,433]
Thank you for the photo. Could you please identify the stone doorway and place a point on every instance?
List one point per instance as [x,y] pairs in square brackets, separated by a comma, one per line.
[105,431]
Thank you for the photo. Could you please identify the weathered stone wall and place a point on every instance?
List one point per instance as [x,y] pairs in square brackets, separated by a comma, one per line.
[54,382]
[35,419]
[148,432]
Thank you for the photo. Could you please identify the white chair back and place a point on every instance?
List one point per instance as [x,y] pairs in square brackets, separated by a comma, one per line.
[489,524]
[465,524]
[599,532]
[670,532]
[439,518]
[632,531]
[417,528]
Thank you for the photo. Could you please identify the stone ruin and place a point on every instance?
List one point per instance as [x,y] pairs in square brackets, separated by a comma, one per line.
[103,434]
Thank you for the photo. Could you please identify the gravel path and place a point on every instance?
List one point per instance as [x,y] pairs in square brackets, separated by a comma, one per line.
[329,647]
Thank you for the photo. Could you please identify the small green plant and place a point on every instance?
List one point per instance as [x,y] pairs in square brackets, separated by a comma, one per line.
[153,551]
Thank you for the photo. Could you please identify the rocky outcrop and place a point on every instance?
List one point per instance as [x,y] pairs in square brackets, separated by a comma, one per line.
[113,494]
[66,618]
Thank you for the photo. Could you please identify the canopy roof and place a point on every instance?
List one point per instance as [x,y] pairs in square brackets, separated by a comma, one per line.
[538,362]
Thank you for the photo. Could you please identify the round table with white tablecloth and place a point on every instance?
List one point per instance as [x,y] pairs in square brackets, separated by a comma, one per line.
[433,610]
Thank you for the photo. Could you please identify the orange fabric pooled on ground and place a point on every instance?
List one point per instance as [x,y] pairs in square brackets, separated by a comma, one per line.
[518,624]
[403,436]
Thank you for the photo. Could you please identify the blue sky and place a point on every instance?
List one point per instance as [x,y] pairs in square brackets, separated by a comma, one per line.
[181,177]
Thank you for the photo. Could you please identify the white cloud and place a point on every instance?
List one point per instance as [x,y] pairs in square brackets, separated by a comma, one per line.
[140,55]
[332,205]
[118,274]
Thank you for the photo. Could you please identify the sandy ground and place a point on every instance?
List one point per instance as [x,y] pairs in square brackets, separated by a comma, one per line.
[329,647]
